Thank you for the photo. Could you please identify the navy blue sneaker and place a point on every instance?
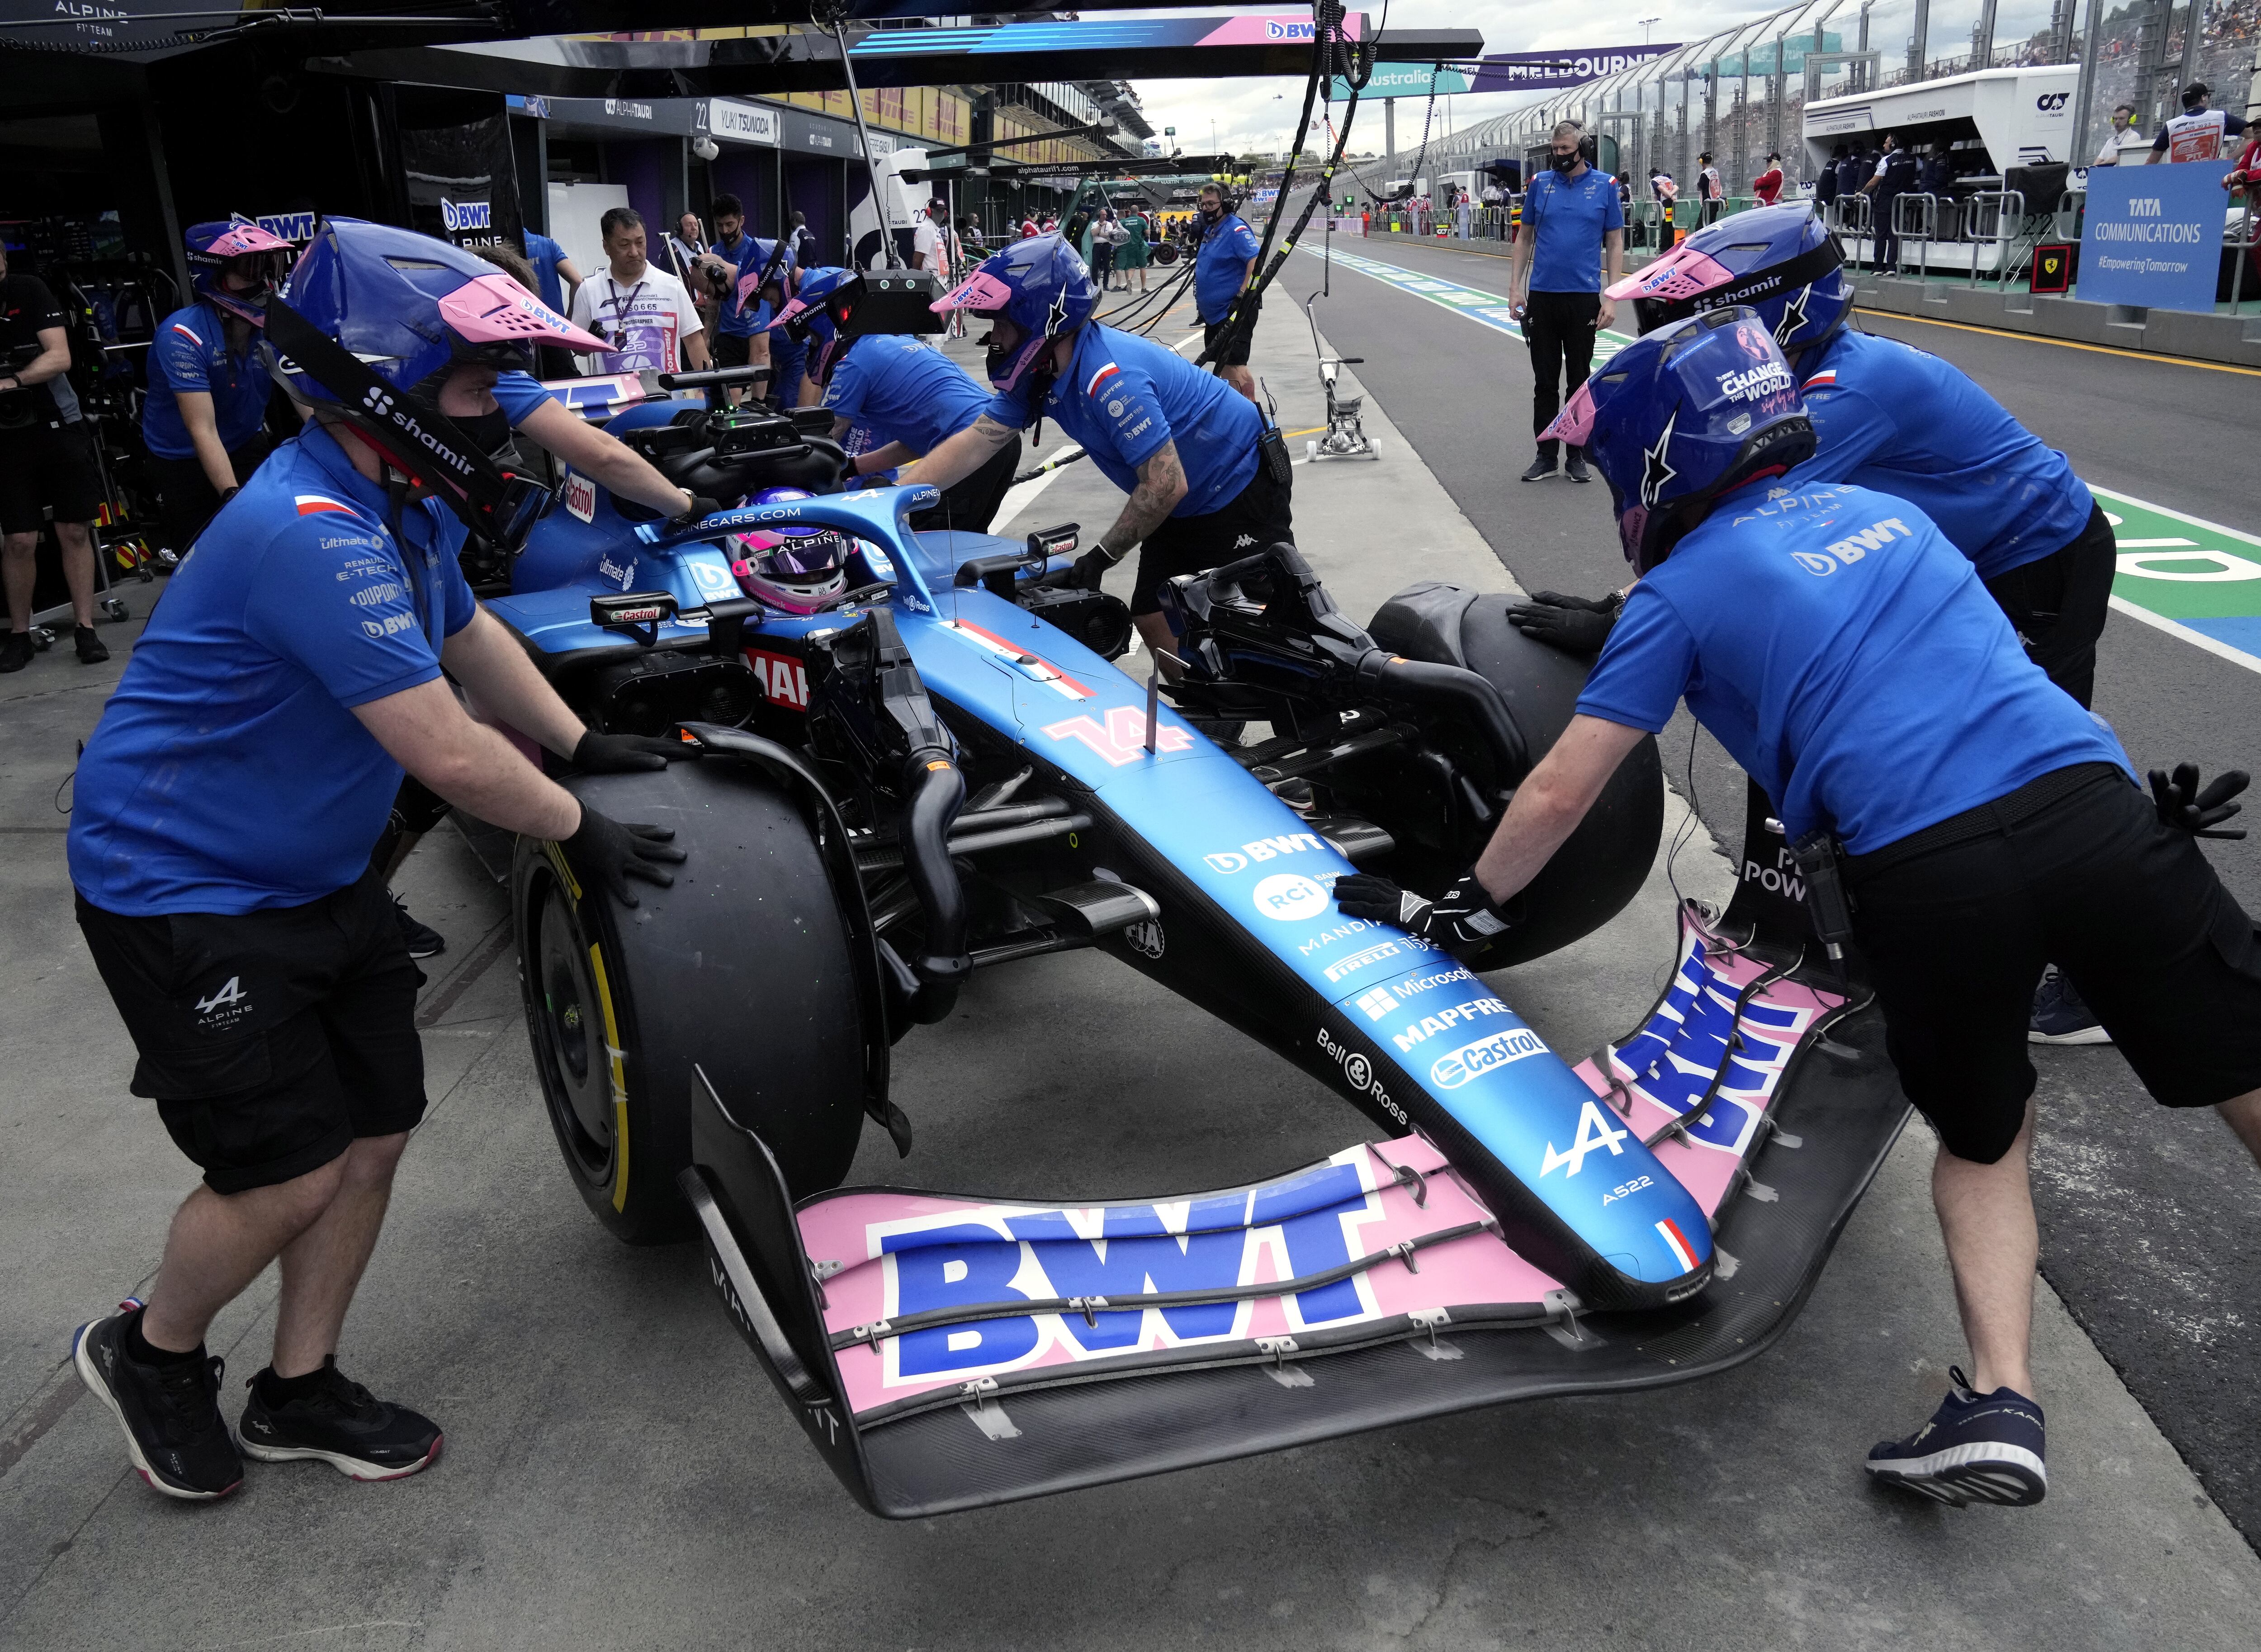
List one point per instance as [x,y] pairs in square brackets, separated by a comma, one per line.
[2061,1016]
[1977,1448]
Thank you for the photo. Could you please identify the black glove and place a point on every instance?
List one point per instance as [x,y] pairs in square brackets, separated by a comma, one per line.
[626,753]
[1576,625]
[610,853]
[1461,916]
[2186,808]
[701,508]
[1085,572]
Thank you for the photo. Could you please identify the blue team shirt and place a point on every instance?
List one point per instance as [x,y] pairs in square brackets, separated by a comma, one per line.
[518,395]
[1122,396]
[1569,217]
[545,256]
[1222,265]
[190,353]
[750,256]
[1888,416]
[904,392]
[1849,659]
[228,772]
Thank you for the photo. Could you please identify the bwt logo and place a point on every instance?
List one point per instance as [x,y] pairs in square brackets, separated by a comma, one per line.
[1277,30]
[456,217]
[289,226]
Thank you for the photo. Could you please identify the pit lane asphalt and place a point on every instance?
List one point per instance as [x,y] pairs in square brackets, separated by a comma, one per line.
[620,1474]
[2151,1219]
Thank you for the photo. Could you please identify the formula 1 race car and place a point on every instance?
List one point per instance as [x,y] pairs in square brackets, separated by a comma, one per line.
[934,768]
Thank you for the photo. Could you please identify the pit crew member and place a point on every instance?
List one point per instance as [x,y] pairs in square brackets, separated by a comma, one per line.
[1223,269]
[203,422]
[1809,629]
[219,844]
[743,312]
[46,461]
[909,399]
[1181,443]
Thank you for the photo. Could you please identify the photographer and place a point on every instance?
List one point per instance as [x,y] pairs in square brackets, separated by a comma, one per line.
[45,462]
[733,268]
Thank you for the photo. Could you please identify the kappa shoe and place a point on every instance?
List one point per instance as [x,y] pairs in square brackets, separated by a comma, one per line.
[2061,1016]
[1977,1448]
[338,1421]
[170,1413]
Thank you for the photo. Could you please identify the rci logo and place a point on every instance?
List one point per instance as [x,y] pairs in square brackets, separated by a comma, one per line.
[2050,103]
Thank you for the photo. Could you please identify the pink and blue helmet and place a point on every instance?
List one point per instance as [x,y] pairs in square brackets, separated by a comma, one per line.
[1040,285]
[1682,415]
[255,252]
[1779,261]
[818,307]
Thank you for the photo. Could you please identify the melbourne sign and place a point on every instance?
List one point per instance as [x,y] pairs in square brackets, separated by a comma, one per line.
[2153,236]
[1567,66]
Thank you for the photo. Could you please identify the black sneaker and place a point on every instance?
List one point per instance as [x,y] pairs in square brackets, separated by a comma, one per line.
[2061,1017]
[422,942]
[1541,468]
[15,650]
[1574,465]
[91,650]
[340,1423]
[170,1413]
[1977,1448]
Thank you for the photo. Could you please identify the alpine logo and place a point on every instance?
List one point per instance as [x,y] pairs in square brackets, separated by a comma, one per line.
[1262,849]
[1594,1130]
[228,996]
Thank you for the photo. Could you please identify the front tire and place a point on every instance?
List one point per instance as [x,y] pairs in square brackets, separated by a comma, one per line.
[742,968]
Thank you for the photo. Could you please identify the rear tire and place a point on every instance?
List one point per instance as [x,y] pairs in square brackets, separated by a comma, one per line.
[742,968]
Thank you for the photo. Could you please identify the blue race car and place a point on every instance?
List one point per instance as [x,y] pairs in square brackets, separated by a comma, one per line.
[919,760]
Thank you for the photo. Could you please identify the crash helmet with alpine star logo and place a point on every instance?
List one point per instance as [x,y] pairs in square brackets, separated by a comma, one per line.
[371,324]
[1782,262]
[797,569]
[1682,415]
[823,300]
[1041,286]
[240,247]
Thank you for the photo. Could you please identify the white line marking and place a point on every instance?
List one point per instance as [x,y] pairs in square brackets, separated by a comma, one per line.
[2196,639]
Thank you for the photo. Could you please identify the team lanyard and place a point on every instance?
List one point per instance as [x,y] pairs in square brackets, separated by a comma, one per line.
[621,308]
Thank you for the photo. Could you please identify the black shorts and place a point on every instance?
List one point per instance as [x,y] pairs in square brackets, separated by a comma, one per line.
[733,349]
[2059,602]
[1255,517]
[269,1040]
[1237,356]
[969,504]
[2127,907]
[47,467]
[186,495]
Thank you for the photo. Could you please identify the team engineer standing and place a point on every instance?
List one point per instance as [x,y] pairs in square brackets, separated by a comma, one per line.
[1572,223]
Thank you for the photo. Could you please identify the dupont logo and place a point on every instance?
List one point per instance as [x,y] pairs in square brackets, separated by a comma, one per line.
[458,216]
[1472,1061]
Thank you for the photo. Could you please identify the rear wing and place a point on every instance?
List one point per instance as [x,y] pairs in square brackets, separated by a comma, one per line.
[945,1351]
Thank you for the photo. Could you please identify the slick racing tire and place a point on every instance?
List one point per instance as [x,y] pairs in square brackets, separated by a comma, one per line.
[743,969]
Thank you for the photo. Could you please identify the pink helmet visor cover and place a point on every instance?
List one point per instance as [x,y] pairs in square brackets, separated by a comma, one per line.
[791,310]
[978,291]
[246,238]
[1575,422]
[496,310]
[1681,273]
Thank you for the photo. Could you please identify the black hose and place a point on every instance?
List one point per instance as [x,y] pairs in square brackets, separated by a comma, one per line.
[937,791]
[1465,691]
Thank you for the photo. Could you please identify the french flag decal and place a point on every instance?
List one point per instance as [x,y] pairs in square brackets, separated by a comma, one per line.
[315,504]
[1101,377]
[185,334]
[1829,377]
[1677,1244]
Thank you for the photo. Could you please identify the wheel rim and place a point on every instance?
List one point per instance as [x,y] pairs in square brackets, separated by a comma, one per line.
[572,1042]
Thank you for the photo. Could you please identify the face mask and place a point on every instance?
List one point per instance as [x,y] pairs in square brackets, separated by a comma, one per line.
[1565,162]
[490,432]
[1212,213]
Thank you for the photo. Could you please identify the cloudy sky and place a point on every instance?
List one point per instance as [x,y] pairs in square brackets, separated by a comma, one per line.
[1260,114]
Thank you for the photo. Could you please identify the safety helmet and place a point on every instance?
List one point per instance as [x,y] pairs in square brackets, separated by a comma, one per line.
[369,326]
[1682,415]
[255,252]
[797,569]
[1781,260]
[1039,285]
[825,299]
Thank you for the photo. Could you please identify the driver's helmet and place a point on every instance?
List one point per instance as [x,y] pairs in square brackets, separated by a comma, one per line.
[1041,286]
[1682,415]
[1782,262]
[796,569]
[236,246]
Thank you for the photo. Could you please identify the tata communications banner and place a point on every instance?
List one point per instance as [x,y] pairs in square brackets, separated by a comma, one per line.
[1566,66]
[2154,236]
